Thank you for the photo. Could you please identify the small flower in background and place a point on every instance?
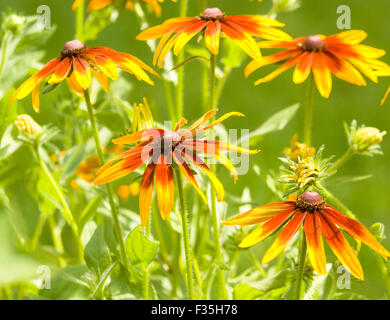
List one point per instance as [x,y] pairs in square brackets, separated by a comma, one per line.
[213,23]
[129,4]
[318,218]
[77,64]
[27,125]
[142,117]
[125,191]
[298,150]
[306,172]
[163,150]
[364,140]
[88,168]
[340,54]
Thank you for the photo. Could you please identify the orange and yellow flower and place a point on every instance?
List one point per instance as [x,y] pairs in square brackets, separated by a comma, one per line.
[318,218]
[129,4]
[77,64]
[340,54]
[298,151]
[213,23]
[163,150]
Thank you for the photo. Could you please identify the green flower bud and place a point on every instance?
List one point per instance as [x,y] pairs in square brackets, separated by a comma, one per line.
[367,137]
[27,126]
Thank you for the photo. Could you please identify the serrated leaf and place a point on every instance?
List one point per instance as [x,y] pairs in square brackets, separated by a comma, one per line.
[140,250]
[276,122]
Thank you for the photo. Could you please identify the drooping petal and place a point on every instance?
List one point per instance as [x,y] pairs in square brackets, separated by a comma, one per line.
[101,78]
[356,230]
[266,229]
[314,241]
[82,72]
[212,36]
[187,34]
[165,188]
[288,232]
[214,180]
[27,86]
[341,247]
[322,75]
[62,71]
[208,115]
[258,214]
[145,194]
[302,70]
[74,85]
[185,169]
[385,96]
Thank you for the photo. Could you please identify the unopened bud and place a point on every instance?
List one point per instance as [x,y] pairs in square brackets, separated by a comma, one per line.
[368,137]
[27,126]
[286,5]
[14,23]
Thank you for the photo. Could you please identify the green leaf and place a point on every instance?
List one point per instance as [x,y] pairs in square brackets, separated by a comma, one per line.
[72,160]
[140,249]
[232,55]
[111,120]
[97,253]
[243,291]
[277,122]
[91,209]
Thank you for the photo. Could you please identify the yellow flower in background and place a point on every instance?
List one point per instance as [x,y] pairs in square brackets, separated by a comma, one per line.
[129,4]
[298,150]
[125,191]
[77,64]
[318,218]
[213,24]
[339,54]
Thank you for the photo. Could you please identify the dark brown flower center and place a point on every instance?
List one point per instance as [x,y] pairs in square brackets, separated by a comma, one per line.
[73,48]
[212,14]
[313,43]
[309,201]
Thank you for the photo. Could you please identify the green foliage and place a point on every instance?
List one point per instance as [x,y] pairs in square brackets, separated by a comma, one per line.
[141,251]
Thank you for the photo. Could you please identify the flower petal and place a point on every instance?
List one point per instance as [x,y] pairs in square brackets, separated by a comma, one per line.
[165,188]
[322,74]
[82,72]
[288,232]
[146,192]
[341,247]
[314,241]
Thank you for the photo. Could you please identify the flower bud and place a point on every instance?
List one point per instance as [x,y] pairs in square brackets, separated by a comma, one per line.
[286,5]
[142,117]
[367,137]
[27,126]
[298,150]
[378,231]
[14,23]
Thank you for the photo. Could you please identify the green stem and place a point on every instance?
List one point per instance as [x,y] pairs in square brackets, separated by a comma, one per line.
[80,11]
[198,275]
[384,272]
[180,72]
[65,206]
[56,238]
[301,268]
[336,201]
[186,237]
[114,211]
[257,264]
[4,53]
[222,293]
[221,84]
[145,282]
[309,112]
[342,160]
[38,231]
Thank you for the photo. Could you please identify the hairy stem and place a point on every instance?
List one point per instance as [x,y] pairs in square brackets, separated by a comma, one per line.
[347,155]
[309,112]
[222,293]
[186,237]
[301,267]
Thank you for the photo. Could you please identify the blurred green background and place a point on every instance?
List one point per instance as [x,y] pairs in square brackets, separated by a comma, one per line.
[369,199]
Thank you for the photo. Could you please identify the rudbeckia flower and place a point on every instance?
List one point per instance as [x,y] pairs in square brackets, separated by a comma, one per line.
[163,150]
[318,218]
[129,4]
[77,64]
[340,54]
[213,24]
